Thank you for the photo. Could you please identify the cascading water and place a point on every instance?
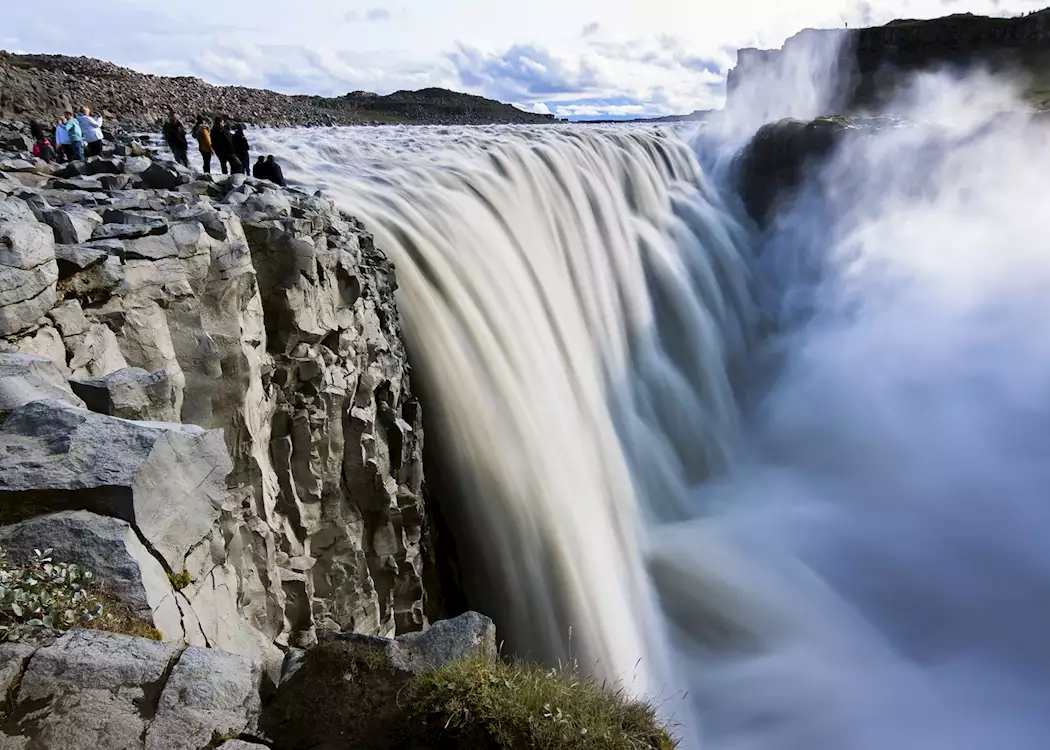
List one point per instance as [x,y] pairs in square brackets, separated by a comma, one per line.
[856,561]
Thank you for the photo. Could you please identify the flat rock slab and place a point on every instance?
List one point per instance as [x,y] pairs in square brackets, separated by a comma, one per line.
[25,378]
[130,393]
[72,224]
[28,272]
[166,479]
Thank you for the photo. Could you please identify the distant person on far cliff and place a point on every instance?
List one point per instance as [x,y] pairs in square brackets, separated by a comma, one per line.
[76,137]
[202,133]
[222,142]
[62,139]
[276,174]
[175,137]
[240,147]
[91,127]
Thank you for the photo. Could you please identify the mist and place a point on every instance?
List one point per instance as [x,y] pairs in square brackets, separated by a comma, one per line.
[876,561]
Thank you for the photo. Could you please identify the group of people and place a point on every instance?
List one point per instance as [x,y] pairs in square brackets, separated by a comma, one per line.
[229,146]
[76,137]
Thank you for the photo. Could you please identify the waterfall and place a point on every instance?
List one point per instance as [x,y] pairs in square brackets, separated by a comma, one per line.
[829,536]
[577,301]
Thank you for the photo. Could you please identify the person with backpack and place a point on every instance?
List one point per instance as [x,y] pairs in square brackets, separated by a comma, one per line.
[91,127]
[175,137]
[202,133]
[76,137]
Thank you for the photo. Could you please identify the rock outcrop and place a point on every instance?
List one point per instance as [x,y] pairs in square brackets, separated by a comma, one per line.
[90,689]
[206,379]
[39,86]
[875,60]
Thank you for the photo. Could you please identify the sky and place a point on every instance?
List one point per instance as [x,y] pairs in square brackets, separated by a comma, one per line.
[572,58]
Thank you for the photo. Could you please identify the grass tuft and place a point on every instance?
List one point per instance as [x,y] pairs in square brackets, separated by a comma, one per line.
[477,703]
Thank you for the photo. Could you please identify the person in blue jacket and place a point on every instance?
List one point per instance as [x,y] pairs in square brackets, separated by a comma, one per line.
[76,136]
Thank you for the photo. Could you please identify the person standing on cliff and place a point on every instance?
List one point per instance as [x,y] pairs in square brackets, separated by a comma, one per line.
[202,133]
[76,137]
[222,143]
[240,147]
[62,139]
[91,127]
[175,137]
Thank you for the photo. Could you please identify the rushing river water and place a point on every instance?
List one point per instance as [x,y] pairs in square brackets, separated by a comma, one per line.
[795,483]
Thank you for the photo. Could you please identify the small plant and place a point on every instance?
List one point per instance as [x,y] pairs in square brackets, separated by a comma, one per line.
[44,594]
[41,595]
[179,581]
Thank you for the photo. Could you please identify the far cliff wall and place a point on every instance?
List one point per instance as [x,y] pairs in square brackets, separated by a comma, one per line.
[876,59]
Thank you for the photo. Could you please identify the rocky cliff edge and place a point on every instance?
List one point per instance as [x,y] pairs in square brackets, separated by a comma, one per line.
[204,397]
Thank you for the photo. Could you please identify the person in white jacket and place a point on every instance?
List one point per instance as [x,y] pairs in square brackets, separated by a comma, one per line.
[92,129]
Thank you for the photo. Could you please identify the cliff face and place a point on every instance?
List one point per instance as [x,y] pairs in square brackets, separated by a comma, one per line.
[41,86]
[874,60]
[210,377]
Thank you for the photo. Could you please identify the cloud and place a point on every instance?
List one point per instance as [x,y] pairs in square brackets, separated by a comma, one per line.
[590,29]
[378,14]
[524,71]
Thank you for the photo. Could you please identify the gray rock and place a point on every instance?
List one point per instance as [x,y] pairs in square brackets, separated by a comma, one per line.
[95,352]
[74,258]
[28,273]
[110,549]
[114,182]
[13,658]
[104,165]
[24,165]
[77,183]
[159,176]
[18,143]
[209,692]
[72,224]
[242,745]
[69,318]
[89,690]
[130,393]
[130,231]
[99,280]
[36,202]
[166,479]
[25,378]
[137,164]
[151,248]
[467,636]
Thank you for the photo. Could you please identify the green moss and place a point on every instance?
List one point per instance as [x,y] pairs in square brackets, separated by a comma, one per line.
[517,705]
[181,580]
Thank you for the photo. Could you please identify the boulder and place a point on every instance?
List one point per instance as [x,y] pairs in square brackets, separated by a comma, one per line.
[77,183]
[209,693]
[110,549]
[130,393]
[137,164]
[167,480]
[13,658]
[159,176]
[467,636]
[28,272]
[98,280]
[16,165]
[104,165]
[74,258]
[88,690]
[95,352]
[72,224]
[25,378]
[69,318]
[114,182]
[20,142]
[153,247]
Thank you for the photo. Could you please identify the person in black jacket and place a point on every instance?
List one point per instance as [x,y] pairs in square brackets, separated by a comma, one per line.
[276,174]
[240,147]
[175,137]
[261,171]
[222,145]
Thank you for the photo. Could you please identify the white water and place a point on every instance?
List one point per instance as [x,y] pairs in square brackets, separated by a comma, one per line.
[857,562]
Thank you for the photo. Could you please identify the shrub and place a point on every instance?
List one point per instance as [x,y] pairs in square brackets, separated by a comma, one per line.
[179,581]
[479,704]
[41,595]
